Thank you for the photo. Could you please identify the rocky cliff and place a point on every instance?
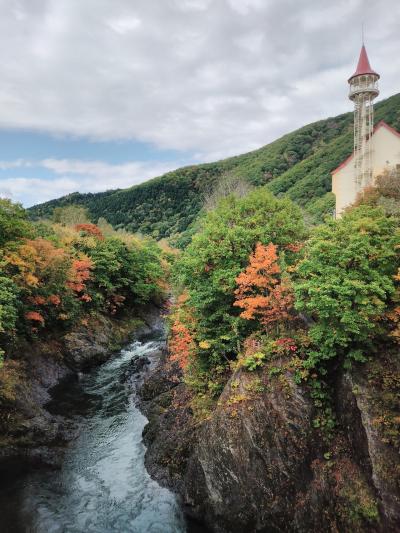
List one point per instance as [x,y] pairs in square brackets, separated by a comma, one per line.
[27,428]
[258,462]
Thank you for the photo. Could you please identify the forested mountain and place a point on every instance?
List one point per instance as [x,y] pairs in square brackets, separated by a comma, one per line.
[297,165]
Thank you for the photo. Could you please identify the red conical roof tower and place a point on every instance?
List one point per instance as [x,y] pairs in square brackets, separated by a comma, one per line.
[363,66]
[363,90]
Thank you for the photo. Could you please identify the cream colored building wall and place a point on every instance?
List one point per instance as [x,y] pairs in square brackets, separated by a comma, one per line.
[386,150]
[343,187]
[385,155]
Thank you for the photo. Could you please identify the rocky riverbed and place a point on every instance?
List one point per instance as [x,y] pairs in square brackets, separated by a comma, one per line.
[27,428]
[97,480]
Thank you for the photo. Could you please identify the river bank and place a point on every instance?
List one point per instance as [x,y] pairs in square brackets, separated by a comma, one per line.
[27,428]
[101,484]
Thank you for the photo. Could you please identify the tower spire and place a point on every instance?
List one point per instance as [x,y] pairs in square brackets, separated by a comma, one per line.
[363,90]
[363,65]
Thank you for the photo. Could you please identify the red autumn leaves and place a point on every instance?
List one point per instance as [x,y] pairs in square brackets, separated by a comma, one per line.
[90,230]
[80,273]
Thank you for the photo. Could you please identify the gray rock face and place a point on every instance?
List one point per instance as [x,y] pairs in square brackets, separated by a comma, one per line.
[369,407]
[84,347]
[252,457]
[257,463]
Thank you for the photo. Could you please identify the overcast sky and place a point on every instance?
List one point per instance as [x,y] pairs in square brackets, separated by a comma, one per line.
[99,94]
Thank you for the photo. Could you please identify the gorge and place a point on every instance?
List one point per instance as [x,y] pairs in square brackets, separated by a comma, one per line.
[275,406]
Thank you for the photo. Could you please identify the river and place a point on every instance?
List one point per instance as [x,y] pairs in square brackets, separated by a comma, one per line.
[103,485]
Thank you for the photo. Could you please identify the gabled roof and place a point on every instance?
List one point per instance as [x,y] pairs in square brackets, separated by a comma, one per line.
[381,124]
[342,165]
[363,66]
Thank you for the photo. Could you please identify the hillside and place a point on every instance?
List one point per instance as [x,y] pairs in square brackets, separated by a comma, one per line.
[297,165]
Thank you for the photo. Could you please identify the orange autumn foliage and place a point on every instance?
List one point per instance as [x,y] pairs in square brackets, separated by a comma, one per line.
[35,316]
[181,343]
[33,260]
[90,229]
[37,300]
[263,293]
[79,274]
[294,247]
[54,299]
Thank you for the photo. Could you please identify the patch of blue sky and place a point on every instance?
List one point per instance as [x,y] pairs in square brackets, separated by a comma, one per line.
[31,171]
[30,145]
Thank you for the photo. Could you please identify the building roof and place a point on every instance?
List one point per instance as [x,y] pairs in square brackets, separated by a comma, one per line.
[363,66]
[381,124]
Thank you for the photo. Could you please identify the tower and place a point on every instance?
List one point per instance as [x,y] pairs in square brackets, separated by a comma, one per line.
[363,90]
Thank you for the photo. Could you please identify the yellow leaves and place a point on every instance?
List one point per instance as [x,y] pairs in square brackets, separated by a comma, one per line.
[204,345]
[32,261]
[31,280]
[11,375]
[237,398]
[183,298]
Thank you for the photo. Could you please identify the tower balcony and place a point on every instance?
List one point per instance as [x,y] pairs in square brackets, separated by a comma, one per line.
[364,84]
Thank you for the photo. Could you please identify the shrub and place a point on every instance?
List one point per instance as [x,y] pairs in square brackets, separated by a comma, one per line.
[209,266]
[345,282]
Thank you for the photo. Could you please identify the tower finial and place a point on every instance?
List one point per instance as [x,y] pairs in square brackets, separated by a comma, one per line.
[362,33]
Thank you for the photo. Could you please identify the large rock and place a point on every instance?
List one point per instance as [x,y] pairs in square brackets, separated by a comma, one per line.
[368,404]
[252,457]
[258,464]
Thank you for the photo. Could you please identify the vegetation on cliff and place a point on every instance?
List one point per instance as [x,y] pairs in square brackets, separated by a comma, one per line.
[257,287]
[218,253]
[55,276]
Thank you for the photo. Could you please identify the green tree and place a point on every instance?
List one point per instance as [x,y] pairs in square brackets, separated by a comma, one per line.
[345,281]
[219,252]
[8,309]
[13,222]
[132,271]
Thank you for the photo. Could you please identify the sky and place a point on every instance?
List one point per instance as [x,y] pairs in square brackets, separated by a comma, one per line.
[104,94]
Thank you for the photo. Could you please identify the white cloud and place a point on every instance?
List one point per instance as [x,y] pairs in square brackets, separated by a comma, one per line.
[245,6]
[124,25]
[212,77]
[18,163]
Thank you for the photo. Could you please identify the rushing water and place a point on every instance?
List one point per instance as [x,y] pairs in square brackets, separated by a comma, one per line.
[103,486]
